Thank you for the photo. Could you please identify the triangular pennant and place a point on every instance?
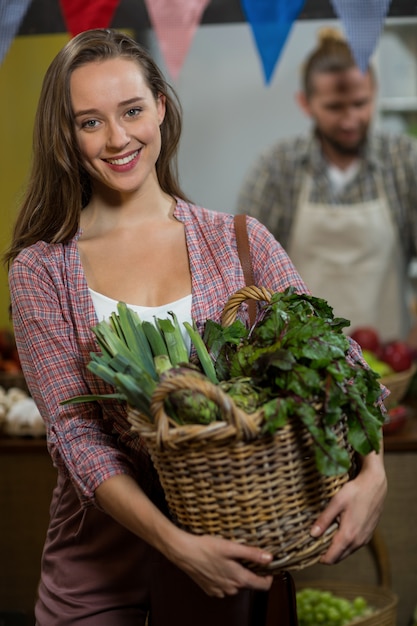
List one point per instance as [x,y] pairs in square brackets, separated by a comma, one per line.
[271,22]
[80,15]
[363,22]
[12,13]
[175,23]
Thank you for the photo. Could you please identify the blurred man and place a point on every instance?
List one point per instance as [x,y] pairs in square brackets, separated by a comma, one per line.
[343,200]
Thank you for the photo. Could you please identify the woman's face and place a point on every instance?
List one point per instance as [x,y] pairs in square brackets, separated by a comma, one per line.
[117,123]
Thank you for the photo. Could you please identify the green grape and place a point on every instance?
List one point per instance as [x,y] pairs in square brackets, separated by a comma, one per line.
[359,604]
[317,607]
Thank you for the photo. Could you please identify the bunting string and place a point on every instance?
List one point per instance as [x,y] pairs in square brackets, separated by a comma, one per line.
[176,21]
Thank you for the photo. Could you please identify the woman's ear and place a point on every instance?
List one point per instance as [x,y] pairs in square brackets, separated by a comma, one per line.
[161,106]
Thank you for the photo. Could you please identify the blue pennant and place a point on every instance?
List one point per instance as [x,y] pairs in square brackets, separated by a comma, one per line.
[363,21]
[271,22]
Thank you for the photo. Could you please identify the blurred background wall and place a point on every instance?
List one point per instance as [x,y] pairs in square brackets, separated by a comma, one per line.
[230,114]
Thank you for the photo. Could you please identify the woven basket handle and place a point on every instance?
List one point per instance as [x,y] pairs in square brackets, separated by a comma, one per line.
[246,293]
[244,425]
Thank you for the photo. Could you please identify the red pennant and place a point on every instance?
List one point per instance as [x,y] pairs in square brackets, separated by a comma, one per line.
[175,22]
[80,15]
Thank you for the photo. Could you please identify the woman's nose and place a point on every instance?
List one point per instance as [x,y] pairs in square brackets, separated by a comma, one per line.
[117,136]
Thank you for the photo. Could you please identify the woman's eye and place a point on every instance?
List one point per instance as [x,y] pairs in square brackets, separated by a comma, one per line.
[89,124]
[133,112]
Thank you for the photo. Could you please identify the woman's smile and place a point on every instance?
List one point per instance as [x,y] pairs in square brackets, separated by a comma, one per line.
[125,162]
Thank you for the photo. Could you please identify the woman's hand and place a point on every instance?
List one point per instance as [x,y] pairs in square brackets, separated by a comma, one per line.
[212,562]
[215,564]
[357,507]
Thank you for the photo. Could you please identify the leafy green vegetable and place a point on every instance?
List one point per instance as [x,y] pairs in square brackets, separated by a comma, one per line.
[297,354]
[135,355]
[293,364]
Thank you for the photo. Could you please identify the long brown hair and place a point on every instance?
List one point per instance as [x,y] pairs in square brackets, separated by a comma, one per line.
[58,186]
[332,54]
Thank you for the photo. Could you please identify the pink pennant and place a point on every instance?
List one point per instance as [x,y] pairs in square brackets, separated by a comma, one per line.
[80,15]
[175,23]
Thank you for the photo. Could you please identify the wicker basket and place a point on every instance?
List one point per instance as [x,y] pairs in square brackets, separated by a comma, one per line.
[227,479]
[381,599]
[398,384]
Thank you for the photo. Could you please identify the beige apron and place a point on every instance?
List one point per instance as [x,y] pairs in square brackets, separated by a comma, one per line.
[350,255]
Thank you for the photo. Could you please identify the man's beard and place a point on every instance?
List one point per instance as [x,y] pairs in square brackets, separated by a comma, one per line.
[342,149]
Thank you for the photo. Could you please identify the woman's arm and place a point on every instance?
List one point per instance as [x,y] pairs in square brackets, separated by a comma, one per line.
[54,347]
[212,562]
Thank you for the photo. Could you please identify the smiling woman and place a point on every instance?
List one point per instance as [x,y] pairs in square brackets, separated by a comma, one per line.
[104,214]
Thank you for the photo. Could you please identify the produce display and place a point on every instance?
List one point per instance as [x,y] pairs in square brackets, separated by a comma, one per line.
[316,607]
[385,358]
[292,363]
[19,416]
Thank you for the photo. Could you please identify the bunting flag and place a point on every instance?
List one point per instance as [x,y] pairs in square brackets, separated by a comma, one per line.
[175,23]
[80,15]
[12,13]
[271,22]
[363,21]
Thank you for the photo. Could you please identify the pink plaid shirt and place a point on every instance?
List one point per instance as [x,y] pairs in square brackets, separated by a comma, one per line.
[53,314]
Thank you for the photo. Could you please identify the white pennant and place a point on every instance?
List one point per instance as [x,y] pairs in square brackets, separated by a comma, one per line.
[12,13]
[174,23]
[363,21]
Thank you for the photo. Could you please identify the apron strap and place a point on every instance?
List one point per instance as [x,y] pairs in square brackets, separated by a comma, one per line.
[243,249]
[276,607]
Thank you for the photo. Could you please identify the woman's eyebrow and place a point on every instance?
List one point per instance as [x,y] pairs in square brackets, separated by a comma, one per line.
[121,104]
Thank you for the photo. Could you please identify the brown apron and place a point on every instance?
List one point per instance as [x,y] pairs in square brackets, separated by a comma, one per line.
[97,573]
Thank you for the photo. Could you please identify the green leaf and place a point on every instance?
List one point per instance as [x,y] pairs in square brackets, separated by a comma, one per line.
[94,398]
[202,352]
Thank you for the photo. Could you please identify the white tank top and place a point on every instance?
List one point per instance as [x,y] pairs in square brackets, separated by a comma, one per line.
[105,306]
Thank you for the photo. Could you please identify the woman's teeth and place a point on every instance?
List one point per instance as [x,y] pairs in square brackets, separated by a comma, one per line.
[123,161]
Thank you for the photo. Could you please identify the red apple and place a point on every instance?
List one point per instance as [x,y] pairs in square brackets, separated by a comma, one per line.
[368,338]
[398,355]
[396,418]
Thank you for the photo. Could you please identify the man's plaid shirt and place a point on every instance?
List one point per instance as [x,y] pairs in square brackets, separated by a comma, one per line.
[271,191]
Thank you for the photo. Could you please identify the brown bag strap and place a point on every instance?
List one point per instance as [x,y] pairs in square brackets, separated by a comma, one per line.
[243,249]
